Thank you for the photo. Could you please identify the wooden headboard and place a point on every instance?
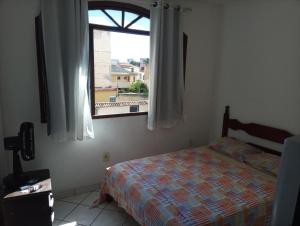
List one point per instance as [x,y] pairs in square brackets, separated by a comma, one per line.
[256,130]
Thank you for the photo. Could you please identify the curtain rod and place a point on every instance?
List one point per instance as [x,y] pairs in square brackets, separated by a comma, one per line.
[152,3]
[167,5]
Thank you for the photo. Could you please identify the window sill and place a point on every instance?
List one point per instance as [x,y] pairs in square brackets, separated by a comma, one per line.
[118,115]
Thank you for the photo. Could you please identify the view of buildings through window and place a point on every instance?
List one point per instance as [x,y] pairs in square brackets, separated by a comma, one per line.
[121,67]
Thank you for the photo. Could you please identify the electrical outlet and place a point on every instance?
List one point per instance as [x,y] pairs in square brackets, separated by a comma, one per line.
[106,157]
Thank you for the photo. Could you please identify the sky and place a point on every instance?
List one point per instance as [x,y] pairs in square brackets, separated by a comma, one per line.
[124,46]
[128,46]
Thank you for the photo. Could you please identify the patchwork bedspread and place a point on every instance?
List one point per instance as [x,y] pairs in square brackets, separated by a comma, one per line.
[191,187]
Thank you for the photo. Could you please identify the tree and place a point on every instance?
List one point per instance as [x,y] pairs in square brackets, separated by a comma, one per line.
[135,63]
[139,87]
[146,61]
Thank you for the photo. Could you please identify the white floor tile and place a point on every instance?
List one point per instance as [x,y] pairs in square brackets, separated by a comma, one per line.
[64,223]
[83,215]
[62,209]
[57,223]
[76,198]
[88,201]
[109,218]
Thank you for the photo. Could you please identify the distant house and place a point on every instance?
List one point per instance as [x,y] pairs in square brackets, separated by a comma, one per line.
[105,94]
[132,68]
[143,63]
[121,78]
[146,77]
[102,58]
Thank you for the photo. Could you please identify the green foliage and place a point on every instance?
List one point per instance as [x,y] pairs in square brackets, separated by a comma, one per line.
[138,87]
[135,63]
[146,61]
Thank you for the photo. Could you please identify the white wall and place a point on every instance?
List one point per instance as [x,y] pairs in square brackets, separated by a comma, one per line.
[76,164]
[259,74]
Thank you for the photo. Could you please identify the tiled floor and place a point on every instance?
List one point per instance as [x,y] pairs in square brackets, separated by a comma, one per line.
[75,210]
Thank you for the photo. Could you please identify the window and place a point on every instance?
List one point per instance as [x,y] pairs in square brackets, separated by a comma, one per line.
[119,57]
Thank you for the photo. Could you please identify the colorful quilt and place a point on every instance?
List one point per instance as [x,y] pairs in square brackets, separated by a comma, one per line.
[191,187]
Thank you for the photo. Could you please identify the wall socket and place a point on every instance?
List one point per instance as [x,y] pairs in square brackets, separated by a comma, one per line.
[106,157]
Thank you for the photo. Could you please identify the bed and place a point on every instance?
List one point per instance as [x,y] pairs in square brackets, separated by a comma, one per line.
[198,186]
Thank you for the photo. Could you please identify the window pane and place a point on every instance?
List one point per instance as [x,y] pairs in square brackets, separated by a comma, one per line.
[121,70]
[141,24]
[116,15]
[129,17]
[98,17]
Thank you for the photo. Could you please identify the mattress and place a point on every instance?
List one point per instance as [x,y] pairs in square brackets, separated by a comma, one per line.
[191,187]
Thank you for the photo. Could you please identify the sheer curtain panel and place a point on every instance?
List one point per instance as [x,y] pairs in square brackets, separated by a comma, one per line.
[166,67]
[66,44]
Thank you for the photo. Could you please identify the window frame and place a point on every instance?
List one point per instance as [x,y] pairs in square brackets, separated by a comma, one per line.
[108,5]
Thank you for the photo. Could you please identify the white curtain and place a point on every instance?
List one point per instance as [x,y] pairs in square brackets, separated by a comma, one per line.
[66,44]
[166,67]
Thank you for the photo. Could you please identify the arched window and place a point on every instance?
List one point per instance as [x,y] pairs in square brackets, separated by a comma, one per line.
[119,17]
[119,48]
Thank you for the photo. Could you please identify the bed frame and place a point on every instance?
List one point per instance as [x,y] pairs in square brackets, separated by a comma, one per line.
[256,130]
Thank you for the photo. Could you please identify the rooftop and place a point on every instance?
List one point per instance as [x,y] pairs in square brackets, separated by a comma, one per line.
[118,69]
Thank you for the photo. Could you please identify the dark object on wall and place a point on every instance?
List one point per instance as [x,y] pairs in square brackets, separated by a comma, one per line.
[30,208]
[24,143]
[43,88]
[286,204]
[256,130]
[185,43]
